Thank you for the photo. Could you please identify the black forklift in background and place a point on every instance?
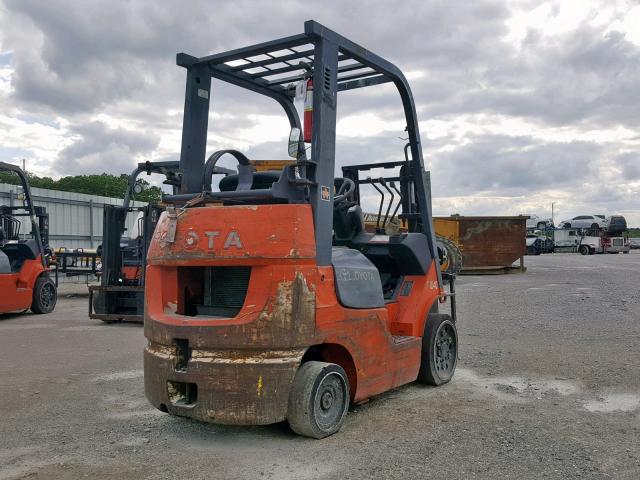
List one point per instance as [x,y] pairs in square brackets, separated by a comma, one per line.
[120,295]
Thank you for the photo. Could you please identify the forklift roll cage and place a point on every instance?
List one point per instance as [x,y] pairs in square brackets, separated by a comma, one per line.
[37,216]
[336,64]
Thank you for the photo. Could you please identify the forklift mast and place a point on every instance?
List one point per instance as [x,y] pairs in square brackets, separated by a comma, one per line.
[115,219]
[120,295]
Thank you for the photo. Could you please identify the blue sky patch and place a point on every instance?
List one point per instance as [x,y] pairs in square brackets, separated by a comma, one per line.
[5,58]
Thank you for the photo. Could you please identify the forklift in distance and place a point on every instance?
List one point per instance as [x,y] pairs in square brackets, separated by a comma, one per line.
[25,281]
[120,295]
[266,299]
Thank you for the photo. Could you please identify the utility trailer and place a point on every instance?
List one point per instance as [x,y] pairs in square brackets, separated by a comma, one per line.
[75,262]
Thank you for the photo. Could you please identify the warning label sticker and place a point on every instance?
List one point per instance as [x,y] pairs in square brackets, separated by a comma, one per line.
[325,194]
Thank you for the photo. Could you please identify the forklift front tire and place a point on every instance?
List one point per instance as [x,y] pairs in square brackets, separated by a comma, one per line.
[44,295]
[318,400]
[439,350]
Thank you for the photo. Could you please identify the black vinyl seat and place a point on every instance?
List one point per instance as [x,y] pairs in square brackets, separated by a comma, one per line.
[18,252]
[261,180]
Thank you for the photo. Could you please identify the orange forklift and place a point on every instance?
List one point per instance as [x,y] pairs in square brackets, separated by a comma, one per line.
[265,298]
[24,262]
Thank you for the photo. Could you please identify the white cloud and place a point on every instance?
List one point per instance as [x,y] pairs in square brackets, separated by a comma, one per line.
[43,141]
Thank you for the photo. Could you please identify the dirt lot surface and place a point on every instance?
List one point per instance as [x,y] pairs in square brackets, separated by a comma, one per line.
[548,386]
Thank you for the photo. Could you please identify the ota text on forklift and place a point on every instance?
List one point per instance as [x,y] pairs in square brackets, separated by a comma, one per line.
[265,299]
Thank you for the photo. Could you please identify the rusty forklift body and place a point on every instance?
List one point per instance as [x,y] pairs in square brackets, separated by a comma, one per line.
[267,300]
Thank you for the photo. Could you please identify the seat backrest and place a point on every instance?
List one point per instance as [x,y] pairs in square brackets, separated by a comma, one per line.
[260,180]
[18,252]
[347,222]
[5,263]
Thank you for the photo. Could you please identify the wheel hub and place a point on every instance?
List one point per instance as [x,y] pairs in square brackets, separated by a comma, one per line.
[47,295]
[445,350]
[326,400]
[330,401]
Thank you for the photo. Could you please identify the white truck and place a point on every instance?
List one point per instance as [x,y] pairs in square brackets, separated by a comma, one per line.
[574,240]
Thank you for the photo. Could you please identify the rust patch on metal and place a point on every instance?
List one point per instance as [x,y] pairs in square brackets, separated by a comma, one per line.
[162,351]
[243,371]
[248,357]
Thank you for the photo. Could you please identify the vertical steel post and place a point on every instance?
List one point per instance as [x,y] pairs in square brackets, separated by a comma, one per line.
[323,148]
[194,126]
[91,223]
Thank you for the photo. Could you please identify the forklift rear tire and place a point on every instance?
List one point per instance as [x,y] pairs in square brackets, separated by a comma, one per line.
[44,295]
[439,350]
[318,400]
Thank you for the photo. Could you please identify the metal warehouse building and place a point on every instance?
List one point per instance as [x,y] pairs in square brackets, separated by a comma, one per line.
[75,219]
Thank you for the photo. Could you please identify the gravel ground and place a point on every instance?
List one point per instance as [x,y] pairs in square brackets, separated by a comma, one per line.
[548,386]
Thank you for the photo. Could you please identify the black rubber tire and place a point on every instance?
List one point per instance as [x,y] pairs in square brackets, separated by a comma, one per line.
[595,226]
[45,295]
[318,400]
[584,250]
[531,251]
[431,368]
[567,225]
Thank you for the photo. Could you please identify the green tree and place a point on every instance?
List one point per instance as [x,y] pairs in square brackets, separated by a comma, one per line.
[104,184]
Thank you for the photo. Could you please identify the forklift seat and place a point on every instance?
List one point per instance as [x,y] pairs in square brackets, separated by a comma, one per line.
[5,263]
[18,252]
[260,180]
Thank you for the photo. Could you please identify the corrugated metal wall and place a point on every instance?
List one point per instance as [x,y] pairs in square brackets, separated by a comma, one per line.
[75,219]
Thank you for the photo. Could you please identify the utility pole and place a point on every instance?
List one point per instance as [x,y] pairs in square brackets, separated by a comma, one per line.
[552,219]
[24,165]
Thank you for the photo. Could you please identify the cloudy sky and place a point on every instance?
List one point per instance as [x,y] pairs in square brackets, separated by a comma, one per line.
[521,103]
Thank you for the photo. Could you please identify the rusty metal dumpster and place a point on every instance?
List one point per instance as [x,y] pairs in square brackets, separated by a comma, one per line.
[488,244]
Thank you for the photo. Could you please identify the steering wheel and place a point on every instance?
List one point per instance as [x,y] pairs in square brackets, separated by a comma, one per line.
[245,170]
[346,189]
